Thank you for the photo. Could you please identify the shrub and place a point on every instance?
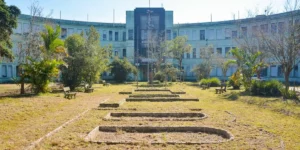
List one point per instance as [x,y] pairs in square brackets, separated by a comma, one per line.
[267,88]
[234,96]
[121,68]
[160,76]
[212,81]
[235,80]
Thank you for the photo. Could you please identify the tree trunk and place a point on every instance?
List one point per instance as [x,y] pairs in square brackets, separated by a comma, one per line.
[22,90]
[287,84]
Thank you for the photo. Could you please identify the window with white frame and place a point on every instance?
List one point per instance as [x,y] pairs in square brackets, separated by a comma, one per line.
[124,36]
[273,28]
[227,33]
[188,34]
[104,35]
[234,34]
[110,35]
[4,71]
[202,35]
[244,32]
[116,36]
[130,34]
[194,53]
[64,32]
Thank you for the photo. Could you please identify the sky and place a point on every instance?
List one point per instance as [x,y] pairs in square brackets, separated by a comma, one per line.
[185,11]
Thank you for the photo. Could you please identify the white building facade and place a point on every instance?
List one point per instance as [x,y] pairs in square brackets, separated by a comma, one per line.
[130,39]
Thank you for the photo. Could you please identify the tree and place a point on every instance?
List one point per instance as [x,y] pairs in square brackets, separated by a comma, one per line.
[31,42]
[87,59]
[176,49]
[284,45]
[247,64]
[96,57]
[72,74]
[41,71]
[8,21]
[203,69]
[121,68]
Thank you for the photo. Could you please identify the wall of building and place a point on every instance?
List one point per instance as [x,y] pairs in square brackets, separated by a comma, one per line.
[222,35]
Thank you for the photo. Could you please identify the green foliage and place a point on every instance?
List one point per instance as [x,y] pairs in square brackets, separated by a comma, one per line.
[202,70]
[213,82]
[41,71]
[53,47]
[177,47]
[267,88]
[160,76]
[40,74]
[121,68]
[248,64]
[235,80]
[234,96]
[87,59]
[169,72]
[8,21]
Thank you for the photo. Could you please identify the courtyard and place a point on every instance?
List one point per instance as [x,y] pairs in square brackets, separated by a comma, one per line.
[59,123]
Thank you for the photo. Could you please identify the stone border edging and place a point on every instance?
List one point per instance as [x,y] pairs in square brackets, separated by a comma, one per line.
[163,99]
[154,129]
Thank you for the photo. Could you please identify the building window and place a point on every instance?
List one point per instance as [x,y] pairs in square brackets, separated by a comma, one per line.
[4,71]
[104,35]
[280,27]
[194,35]
[169,35]
[18,71]
[124,36]
[116,53]
[70,31]
[194,53]
[227,33]
[296,71]
[244,32]
[273,71]
[25,28]
[64,33]
[227,49]
[254,31]
[234,34]
[188,55]
[273,28]
[116,36]
[202,35]
[174,34]
[219,51]
[219,34]
[280,71]
[264,28]
[110,35]
[130,34]
[188,34]
[124,53]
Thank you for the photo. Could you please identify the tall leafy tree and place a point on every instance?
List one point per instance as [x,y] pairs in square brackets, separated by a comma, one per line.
[8,21]
[87,59]
[121,68]
[176,49]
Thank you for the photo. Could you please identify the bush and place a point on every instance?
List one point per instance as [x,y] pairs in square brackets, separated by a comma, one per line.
[214,82]
[235,80]
[234,96]
[160,76]
[120,68]
[267,88]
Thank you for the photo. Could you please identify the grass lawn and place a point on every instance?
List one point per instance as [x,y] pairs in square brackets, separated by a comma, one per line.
[255,122]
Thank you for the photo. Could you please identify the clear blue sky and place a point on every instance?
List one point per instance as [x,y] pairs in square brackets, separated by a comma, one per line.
[185,11]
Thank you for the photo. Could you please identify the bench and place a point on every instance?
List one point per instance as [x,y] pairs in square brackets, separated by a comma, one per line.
[105,83]
[222,89]
[68,93]
[88,89]
[204,87]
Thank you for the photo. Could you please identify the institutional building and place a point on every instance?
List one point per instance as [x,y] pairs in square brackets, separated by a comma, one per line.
[130,39]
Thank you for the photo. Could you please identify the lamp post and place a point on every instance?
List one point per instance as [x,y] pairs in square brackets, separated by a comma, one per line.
[137,77]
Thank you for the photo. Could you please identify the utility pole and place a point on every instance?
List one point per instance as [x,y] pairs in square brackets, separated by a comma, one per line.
[148,49]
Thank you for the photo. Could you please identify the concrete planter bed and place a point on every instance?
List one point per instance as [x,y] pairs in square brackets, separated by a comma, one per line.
[162,99]
[112,104]
[151,90]
[125,92]
[154,95]
[177,92]
[155,116]
[158,135]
